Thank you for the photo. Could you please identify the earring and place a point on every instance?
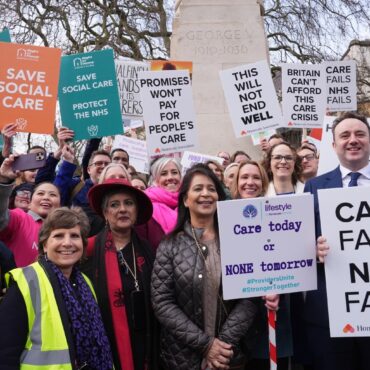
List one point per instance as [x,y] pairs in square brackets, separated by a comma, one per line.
[46,257]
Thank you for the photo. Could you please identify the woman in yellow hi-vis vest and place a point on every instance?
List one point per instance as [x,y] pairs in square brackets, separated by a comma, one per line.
[49,318]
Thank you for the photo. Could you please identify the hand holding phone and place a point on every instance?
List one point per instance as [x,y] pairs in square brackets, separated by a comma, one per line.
[29,161]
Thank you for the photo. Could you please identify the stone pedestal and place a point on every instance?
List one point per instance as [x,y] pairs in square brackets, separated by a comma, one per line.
[216,35]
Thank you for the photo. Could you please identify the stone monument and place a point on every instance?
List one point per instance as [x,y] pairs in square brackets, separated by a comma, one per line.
[216,35]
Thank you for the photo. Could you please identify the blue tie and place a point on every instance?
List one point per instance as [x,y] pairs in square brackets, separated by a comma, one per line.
[354,178]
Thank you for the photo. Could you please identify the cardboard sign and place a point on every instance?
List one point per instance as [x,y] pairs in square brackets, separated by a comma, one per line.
[28,86]
[251,98]
[190,158]
[137,151]
[166,65]
[267,246]
[129,87]
[304,95]
[345,225]
[88,95]
[341,86]
[169,114]
[5,35]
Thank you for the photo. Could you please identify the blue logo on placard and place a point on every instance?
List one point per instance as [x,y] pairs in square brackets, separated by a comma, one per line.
[249,211]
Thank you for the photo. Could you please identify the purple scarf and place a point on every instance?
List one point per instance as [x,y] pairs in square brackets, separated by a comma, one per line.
[91,342]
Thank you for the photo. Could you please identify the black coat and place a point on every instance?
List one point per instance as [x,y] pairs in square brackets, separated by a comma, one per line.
[177,302]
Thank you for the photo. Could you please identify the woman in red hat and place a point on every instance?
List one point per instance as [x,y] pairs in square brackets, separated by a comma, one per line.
[120,265]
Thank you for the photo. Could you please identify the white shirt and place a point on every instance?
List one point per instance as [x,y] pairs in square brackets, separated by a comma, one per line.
[363,180]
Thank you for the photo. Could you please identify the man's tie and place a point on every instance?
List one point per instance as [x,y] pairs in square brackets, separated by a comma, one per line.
[354,178]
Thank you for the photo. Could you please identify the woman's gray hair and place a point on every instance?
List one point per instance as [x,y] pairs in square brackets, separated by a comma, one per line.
[104,204]
[158,165]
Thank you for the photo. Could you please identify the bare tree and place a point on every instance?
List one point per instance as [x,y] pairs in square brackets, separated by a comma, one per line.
[136,29]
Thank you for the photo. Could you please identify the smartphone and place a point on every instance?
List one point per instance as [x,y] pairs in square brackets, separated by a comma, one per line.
[29,161]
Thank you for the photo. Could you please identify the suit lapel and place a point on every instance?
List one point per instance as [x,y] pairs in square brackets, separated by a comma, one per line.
[334,179]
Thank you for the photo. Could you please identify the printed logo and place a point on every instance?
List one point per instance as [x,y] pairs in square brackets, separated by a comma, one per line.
[83,62]
[250,211]
[28,54]
[290,124]
[243,133]
[157,150]
[21,123]
[93,130]
[348,329]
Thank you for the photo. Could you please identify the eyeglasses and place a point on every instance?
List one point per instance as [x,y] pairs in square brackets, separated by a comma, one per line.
[23,194]
[279,158]
[100,164]
[307,157]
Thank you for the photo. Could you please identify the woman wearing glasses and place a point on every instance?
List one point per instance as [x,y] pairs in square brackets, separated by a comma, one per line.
[283,168]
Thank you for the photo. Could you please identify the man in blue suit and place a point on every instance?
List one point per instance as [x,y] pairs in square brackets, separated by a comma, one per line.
[351,142]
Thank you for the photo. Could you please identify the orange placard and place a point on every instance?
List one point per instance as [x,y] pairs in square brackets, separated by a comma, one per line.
[29,86]
[165,65]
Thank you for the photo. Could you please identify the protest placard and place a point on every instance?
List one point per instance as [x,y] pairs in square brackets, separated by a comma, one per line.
[341,86]
[169,114]
[129,87]
[88,95]
[166,65]
[251,98]
[304,95]
[190,158]
[258,136]
[345,225]
[5,35]
[137,151]
[28,86]
[267,246]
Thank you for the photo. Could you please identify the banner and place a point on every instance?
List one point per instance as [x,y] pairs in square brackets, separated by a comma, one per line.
[5,35]
[304,95]
[341,86]
[267,246]
[345,225]
[88,95]
[169,113]
[251,98]
[28,86]
[129,87]
[137,151]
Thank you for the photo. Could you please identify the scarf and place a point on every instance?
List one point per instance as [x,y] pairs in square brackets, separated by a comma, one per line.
[164,207]
[91,343]
[105,273]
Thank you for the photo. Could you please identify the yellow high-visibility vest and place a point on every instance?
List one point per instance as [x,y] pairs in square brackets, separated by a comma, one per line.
[46,347]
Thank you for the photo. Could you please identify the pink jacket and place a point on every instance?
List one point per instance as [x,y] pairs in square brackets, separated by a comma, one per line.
[21,236]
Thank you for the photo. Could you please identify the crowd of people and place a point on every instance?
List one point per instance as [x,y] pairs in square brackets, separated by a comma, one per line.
[102,267]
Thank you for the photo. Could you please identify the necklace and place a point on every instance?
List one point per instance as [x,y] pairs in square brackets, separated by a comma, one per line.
[122,261]
[203,251]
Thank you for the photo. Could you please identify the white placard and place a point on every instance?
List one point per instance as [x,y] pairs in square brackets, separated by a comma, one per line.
[251,98]
[169,113]
[341,86]
[267,246]
[304,95]
[129,87]
[190,158]
[345,225]
[136,150]
[258,136]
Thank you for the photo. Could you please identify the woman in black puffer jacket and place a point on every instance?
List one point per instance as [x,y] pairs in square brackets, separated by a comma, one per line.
[199,329]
